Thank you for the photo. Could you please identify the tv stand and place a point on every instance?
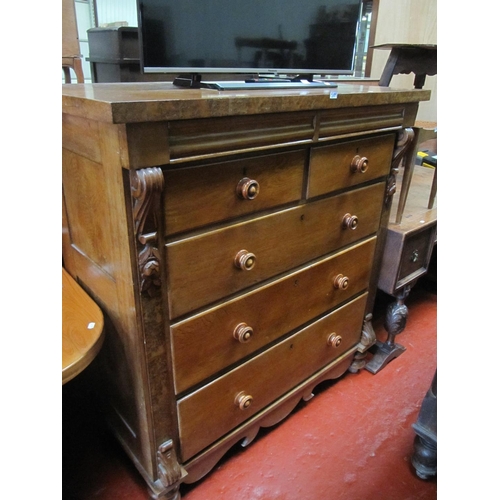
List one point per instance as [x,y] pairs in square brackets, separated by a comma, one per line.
[194,81]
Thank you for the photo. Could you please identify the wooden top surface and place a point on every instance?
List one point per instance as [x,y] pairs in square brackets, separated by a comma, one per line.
[82,328]
[416,212]
[155,101]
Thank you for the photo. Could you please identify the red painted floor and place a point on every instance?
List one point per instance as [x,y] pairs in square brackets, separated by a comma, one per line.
[352,441]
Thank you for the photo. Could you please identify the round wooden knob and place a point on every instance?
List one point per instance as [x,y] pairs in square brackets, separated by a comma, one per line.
[244,260]
[340,282]
[359,164]
[242,400]
[248,189]
[243,333]
[334,340]
[350,222]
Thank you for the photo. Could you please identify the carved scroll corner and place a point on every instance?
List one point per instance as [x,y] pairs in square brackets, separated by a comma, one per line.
[368,337]
[170,472]
[146,187]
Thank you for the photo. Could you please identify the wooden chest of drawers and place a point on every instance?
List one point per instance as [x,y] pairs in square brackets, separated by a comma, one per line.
[232,240]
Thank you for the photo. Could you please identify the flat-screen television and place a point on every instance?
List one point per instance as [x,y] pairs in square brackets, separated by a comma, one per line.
[252,37]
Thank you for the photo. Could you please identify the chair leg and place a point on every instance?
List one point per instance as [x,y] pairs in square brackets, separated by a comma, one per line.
[432,196]
[77,66]
[67,74]
[409,165]
[385,78]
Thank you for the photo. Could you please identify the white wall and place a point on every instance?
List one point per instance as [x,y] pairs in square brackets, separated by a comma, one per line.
[407,21]
[112,11]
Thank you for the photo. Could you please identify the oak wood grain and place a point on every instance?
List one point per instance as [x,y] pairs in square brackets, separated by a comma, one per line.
[265,377]
[280,241]
[330,166]
[207,194]
[204,344]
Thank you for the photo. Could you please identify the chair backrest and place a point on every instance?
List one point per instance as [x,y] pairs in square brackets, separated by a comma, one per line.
[71,56]
[70,42]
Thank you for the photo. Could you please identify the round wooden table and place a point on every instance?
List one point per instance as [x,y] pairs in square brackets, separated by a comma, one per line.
[82,328]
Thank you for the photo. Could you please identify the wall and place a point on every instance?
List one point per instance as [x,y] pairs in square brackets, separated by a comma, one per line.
[407,21]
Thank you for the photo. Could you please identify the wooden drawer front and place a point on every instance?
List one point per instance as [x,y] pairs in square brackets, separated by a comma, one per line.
[334,167]
[202,269]
[416,253]
[199,138]
[209,342]
[208,413]
[202,195]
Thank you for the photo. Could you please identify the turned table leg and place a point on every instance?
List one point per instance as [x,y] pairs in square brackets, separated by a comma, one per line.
[395,323]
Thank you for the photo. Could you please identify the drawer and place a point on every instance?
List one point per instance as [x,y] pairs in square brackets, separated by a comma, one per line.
[416,253]
[206,194]
[210,412]
[209,342]
[406,255]
[349,163]
[209,267]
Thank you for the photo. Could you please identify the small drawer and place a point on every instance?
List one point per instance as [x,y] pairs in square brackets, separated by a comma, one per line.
[416,254]
[210,412]
[202,195]
[229,260]
[209,342]
[349,163]
[406,255]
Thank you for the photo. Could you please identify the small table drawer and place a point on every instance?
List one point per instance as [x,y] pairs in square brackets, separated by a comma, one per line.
[349,163]
[210,412]
[202,195]
[416,253]
[209,267]
[406,255]
[209,342]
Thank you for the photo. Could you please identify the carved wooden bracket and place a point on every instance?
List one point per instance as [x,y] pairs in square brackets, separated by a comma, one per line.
[146,186]
[405,140]
[170,472]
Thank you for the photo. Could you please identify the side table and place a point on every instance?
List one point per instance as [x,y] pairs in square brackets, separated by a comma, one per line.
[407,253]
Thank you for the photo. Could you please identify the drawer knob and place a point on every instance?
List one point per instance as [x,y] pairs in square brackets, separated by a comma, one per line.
[414,256]
[244,260]
[243,333]
[242,400]
[340,282]
[350,222]
[248,189]
[334,340]
[359,164]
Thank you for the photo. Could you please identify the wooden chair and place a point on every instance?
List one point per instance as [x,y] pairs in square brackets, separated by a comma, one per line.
[71,57]
[420,59]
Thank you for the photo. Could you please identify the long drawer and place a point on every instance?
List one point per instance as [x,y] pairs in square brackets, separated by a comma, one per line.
[205,268]
[210,412]
[205,194]
[207,343]
[349,163]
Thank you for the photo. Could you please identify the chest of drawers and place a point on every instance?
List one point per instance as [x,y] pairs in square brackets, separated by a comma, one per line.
[232,241]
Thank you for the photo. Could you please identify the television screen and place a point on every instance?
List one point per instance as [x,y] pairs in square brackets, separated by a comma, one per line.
[248,36]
